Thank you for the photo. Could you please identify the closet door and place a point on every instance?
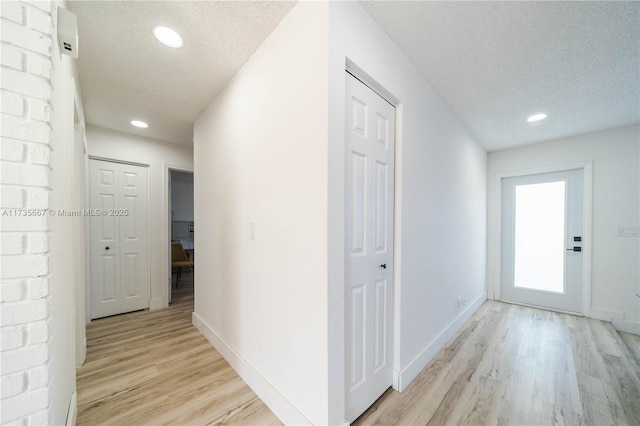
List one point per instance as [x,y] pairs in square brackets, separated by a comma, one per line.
[369,251]
[119,248]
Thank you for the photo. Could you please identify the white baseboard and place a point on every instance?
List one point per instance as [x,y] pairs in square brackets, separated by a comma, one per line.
[402,378]
[156,303]
[281,407]
[605,314]
[626,326]
[72,411]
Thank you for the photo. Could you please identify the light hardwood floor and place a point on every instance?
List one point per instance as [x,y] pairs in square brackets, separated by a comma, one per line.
[508,365]
[155,368]
[514,365]
[633,343]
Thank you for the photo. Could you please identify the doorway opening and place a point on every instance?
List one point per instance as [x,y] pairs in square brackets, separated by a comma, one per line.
[181,235]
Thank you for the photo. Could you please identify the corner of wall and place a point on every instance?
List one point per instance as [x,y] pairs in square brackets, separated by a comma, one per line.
[268,393]
[404,376]
[262,224]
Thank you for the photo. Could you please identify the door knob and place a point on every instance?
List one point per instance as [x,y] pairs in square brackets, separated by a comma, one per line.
[383,266]
[106,248]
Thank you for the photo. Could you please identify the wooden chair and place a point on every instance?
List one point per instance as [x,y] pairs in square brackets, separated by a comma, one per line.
[179,260]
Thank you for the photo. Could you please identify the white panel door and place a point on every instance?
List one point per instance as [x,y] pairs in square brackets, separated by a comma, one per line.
[542,234]
[370,131]
[119,251]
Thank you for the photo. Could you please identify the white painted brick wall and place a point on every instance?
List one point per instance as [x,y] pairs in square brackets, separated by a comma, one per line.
[38,153]
[38,332]
[25,89]
[22,223]
[25,38]
[13,11]
[21,359]
[13,57]
[24,404]
[15,173]
[39,65]
[40,20]
[38,243]
[12,337]
[22,312]
[37,198]
[39,418]
[12,243]
[39,4]
[25,129]
[13,290]
[37,377]
[38,288]
[14,384]
[13,104]
[11,150]
[39,110]
[11,198]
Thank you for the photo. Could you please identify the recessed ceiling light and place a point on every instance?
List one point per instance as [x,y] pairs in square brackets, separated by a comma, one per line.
[139,123]
[536,117]
[167,36]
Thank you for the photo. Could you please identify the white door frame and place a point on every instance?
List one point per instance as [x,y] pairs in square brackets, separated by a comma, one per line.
[493,287]
[370,82]
[166,239]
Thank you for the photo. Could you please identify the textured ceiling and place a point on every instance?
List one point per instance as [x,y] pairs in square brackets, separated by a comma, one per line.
[126,74]
[498,62]
[494,62]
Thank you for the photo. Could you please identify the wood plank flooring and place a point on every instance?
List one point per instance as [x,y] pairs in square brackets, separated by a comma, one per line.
[155,368]
[509,365]
[633,343]
[513,365]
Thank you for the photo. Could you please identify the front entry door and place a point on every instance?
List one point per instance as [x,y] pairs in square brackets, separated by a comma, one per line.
[119,258]
[542,235]
[370,130]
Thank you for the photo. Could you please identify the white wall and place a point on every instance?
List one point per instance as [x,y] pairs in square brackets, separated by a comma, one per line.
[159,156]
[182,196]
[274,306]
[615,276]
[39,275]
[440,201]
[260,154]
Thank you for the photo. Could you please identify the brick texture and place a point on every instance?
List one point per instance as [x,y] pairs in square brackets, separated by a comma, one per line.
[25,89]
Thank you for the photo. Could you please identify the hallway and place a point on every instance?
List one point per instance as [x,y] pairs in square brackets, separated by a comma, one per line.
[154,367]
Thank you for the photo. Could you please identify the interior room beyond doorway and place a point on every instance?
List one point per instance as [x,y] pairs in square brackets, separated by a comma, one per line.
[181,233]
